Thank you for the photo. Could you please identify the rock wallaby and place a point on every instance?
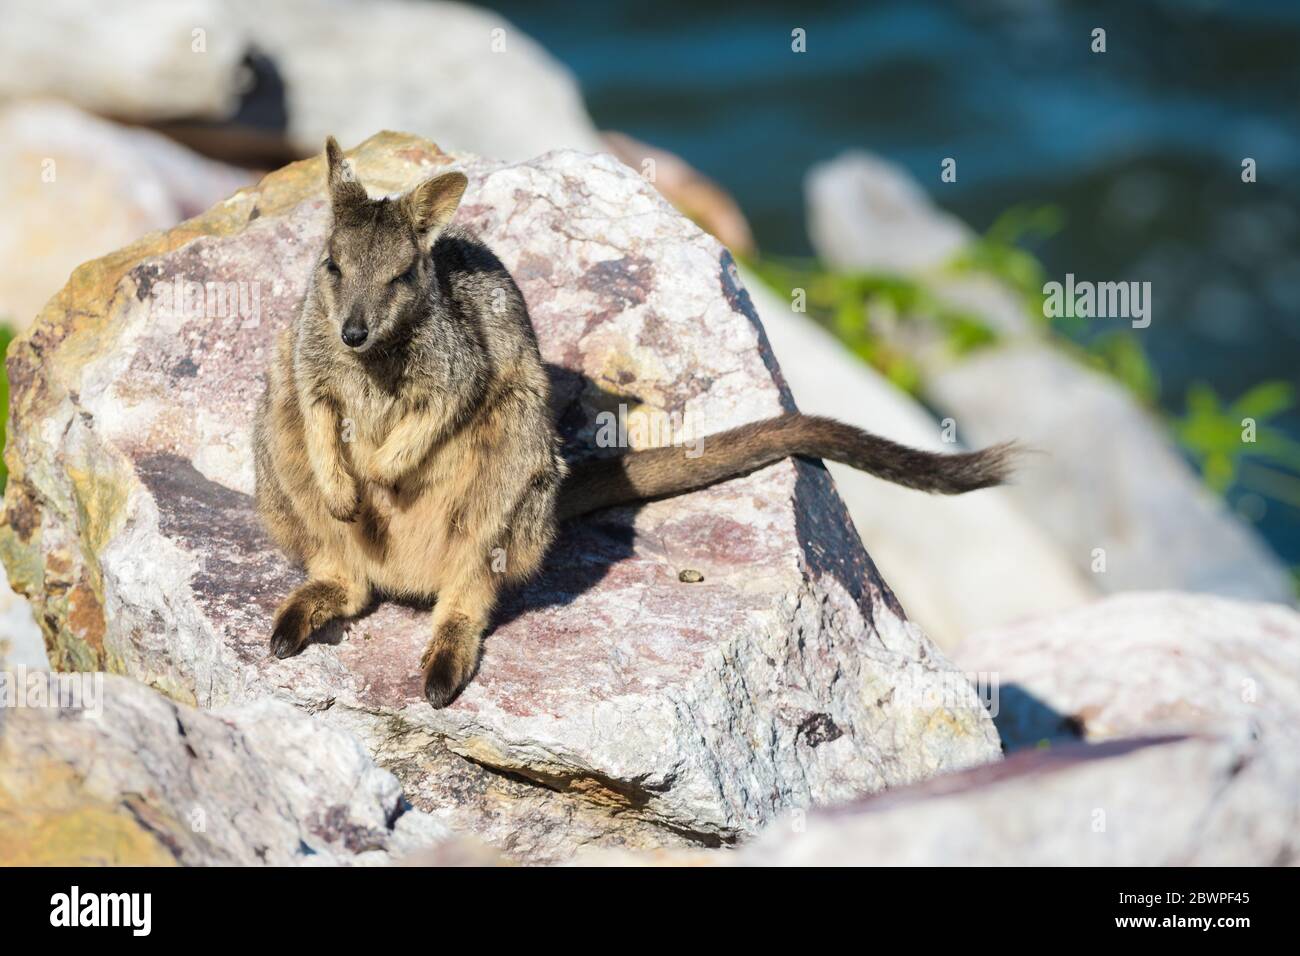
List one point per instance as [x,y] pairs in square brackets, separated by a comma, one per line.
[405,435]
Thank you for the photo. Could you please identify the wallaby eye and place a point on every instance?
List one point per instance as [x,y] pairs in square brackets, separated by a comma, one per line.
[332,267]
[408,276]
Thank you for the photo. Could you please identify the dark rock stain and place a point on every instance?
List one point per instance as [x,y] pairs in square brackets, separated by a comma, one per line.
[185,368]
[618,285]
[21,511]
[818,729]
[144,276]
[241,576]
[335,826]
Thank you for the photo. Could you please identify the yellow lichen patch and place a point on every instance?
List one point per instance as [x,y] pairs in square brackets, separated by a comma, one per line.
[617,371]
[89,835]
[59,568]
[556,777]
[67,647]
[386,166]
[47,819]
[479,750]
[162,683]
[101,508]
[101,505]
[638,415]
[23,562]
[943,721]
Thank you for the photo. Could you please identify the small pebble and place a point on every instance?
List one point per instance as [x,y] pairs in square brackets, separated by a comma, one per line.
[690,576]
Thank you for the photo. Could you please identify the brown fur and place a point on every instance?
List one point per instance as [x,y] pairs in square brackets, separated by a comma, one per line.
[663,472]
[404,442]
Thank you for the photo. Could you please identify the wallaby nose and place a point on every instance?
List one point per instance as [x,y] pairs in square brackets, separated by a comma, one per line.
[354,334]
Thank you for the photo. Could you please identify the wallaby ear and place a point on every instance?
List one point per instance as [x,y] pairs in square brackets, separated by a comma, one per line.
[430,205]
[342,181]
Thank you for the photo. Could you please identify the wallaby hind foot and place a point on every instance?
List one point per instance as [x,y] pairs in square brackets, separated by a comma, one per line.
[451,657]
[309,608]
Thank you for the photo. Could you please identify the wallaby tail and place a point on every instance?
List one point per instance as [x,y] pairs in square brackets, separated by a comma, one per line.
[663,472]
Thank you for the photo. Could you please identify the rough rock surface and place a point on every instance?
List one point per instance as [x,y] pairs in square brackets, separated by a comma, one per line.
[74,187]
[1150,801]
[1144,663]
[640,709]
[128,777]
[699,198]
[1190,706]
[1108,477]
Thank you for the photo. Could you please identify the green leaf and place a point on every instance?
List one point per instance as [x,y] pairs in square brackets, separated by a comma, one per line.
[1265,400]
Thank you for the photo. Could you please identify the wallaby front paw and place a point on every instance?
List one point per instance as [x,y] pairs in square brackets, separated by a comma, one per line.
[384,474]
[343,502]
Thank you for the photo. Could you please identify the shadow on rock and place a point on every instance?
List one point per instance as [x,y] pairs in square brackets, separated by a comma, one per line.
[1024,721]
[587,547]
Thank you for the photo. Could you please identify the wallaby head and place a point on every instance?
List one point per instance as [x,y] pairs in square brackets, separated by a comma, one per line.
[375,272]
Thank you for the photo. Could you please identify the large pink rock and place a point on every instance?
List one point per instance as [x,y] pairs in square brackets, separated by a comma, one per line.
[615,703]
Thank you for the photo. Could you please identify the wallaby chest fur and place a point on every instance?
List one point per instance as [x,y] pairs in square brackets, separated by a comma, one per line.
[482,494]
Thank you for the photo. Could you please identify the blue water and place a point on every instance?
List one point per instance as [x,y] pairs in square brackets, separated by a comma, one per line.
[1140,147]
